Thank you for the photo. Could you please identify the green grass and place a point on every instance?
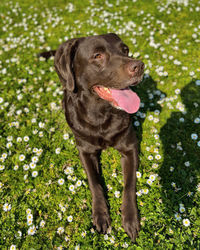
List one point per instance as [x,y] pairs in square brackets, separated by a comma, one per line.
[166,36]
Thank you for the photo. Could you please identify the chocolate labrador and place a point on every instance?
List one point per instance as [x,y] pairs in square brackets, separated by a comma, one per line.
[96,73]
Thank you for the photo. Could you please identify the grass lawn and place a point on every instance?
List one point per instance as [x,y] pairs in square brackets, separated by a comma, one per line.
[45,202]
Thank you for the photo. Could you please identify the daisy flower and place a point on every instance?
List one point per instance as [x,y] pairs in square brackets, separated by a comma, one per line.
[2,167]
[41,124]
[29,216]
[194,136]
[60,230]
[63,209]
[66,136]
[22,157]
[28,211]
[16,167]
[68,170]
[152,177]
[34,174]
[117,194]
[26,138]
[112,239]
[34,159]
[150,157]
[40,134]
[83,234]
[42,223]
[26,167]
[187,163]
[189,194]
[4,155]
[105,237]
[78,183]
[19,139]
[139,193]
[149,181]
[155,165]
[197,120]
[70,218]
[6,207]
[182,209]
[138,174]
[32,165]
[35,150]
[158,157]
[9,145]
[58,151]
[12,247]
[61,181]
[31,230]
[177,216]
[29,222]
[145,191]
[71,187]
[186,222]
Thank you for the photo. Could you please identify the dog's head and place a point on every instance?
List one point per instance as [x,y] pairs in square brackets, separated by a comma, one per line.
[100,65]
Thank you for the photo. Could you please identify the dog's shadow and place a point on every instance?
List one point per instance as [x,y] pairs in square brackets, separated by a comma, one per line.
[150,97]
[180,168]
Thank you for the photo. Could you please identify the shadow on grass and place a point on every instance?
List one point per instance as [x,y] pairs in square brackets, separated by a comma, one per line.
[181,153]
[149,96]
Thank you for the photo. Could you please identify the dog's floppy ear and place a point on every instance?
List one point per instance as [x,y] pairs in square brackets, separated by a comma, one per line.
[64,63]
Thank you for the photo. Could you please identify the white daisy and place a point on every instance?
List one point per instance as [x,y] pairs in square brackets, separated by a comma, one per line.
[182,209]
[12,247]
[42,223]
[138,174]
[70,218]
[145,191]
[66,136]
[117,194]
[186,222]
[60,230]
[31,230]
[32,165]
[26,138]
[7,207]
[149,181]
[71,187]
[22,157]
[19,139]
[177,216]
[34,174]
[2,167]
[34,159]
[61,181]
[58,151]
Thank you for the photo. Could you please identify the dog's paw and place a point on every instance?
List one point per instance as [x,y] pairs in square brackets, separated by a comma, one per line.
[101,220]
[131,225]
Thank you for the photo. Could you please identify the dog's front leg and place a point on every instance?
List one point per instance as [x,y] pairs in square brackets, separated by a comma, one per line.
[130,218]
[101,218]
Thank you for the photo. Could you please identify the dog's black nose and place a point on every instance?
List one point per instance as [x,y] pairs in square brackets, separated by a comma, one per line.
[135,68]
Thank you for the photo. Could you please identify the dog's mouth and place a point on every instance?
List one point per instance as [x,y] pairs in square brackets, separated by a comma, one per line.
[124,99]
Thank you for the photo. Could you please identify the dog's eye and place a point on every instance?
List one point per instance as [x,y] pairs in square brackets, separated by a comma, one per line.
[98,56]
[125,50]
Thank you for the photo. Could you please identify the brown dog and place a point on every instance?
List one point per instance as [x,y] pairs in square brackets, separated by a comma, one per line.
[96,73]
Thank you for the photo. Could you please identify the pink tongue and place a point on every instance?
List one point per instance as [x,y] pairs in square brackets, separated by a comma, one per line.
[126,99]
